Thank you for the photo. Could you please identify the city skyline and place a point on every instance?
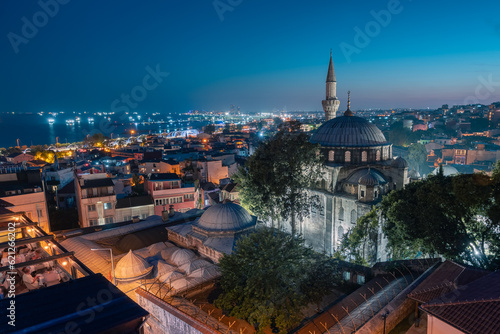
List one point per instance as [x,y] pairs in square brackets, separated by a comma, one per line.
[256,55]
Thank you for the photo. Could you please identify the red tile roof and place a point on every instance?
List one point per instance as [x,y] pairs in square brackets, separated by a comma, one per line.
[473,308]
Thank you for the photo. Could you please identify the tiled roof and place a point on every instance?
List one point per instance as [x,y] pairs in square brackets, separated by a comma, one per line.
[447,277]
[473,308]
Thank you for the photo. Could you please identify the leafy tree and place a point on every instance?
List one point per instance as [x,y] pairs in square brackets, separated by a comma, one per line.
[399,135]
[227,128]
[275,176]
[357,242]
[209,129]
[417,157]
[454,216]
[271,276]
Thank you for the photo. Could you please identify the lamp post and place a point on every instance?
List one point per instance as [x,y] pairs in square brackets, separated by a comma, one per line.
[384,316]
[112,263]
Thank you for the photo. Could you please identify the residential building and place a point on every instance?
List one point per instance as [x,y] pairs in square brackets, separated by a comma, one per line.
[167,190]
[24,190]
[134,207]
[95,199]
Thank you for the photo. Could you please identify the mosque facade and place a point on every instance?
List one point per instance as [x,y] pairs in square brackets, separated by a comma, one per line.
[359,169]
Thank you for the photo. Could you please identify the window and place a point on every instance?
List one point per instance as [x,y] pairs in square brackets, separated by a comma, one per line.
[361,279]
[362,193]
[340,234]
[108,206]
[364,156]
[378,155]
[29,215]
[375,194]
[346,275]
[331,156]
[92,222]
[109,220]
[347,156]
[354,217]
[91,207]
[190,197]
[40,212]
[341,213]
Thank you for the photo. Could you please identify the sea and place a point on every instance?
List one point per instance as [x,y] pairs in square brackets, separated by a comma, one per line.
[35,129]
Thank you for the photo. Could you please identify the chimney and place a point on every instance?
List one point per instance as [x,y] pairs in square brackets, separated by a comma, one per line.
[164,215]
[171,210]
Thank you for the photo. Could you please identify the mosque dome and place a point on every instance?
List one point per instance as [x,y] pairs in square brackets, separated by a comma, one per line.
[225,217]
[348,131]
[369,179]
[447,170]
[399,163]
[132,267]
[364,175]
[182,256]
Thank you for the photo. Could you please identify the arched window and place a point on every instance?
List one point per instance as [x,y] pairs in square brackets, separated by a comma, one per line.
[378,155]
[340,234]
[354,217]
[331,156]
[341,213]
[347,156]
[364,156]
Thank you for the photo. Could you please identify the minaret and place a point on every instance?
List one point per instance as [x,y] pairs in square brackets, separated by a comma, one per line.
[331,103]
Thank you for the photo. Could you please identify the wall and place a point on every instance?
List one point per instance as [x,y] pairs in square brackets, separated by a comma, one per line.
[166,319]
[126,214]
[30,203]
[436,326]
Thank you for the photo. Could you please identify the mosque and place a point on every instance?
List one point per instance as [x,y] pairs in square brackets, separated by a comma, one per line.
[358,170]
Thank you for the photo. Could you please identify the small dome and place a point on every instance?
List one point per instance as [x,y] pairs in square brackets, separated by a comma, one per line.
[368,179]
[413,174]
[447,170]
[355,176]
[348,131]
[182,256]
[132,267]
[189,267]
[399,163]
[225,217]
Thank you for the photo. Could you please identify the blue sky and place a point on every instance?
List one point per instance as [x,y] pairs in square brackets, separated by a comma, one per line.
[261,55]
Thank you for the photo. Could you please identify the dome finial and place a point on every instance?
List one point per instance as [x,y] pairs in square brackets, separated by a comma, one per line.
[348,112]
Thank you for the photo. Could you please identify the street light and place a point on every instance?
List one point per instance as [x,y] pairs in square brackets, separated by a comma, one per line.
[384,316]
[112,263]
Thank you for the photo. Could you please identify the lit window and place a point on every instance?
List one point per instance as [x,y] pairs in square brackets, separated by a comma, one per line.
[331,156]
[347,156]
[364,156]
[108,206]
[378,155]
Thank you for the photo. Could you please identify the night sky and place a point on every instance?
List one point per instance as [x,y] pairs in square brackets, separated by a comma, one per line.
[258,54]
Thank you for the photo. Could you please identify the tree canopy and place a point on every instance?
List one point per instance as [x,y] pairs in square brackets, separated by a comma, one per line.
[275,176]
[271,276]
[454,216]
[417,158]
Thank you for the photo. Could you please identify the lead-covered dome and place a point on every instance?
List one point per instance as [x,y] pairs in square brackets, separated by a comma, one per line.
[225,217]
[369,179]
[348,131]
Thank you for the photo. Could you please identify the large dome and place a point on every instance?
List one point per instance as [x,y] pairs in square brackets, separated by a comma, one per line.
[348,131]
[225,217]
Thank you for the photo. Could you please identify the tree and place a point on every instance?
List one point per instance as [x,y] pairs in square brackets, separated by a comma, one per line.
[453,216]
[271,276]
[274,179]
[358,241]
[417,157]
[209,129]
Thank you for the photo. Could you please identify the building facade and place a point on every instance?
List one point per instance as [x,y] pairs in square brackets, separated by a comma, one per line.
[95,199]
[167,189]
[358,170]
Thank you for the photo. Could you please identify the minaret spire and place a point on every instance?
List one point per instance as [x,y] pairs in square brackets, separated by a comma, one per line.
[331,103]
[348,112]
